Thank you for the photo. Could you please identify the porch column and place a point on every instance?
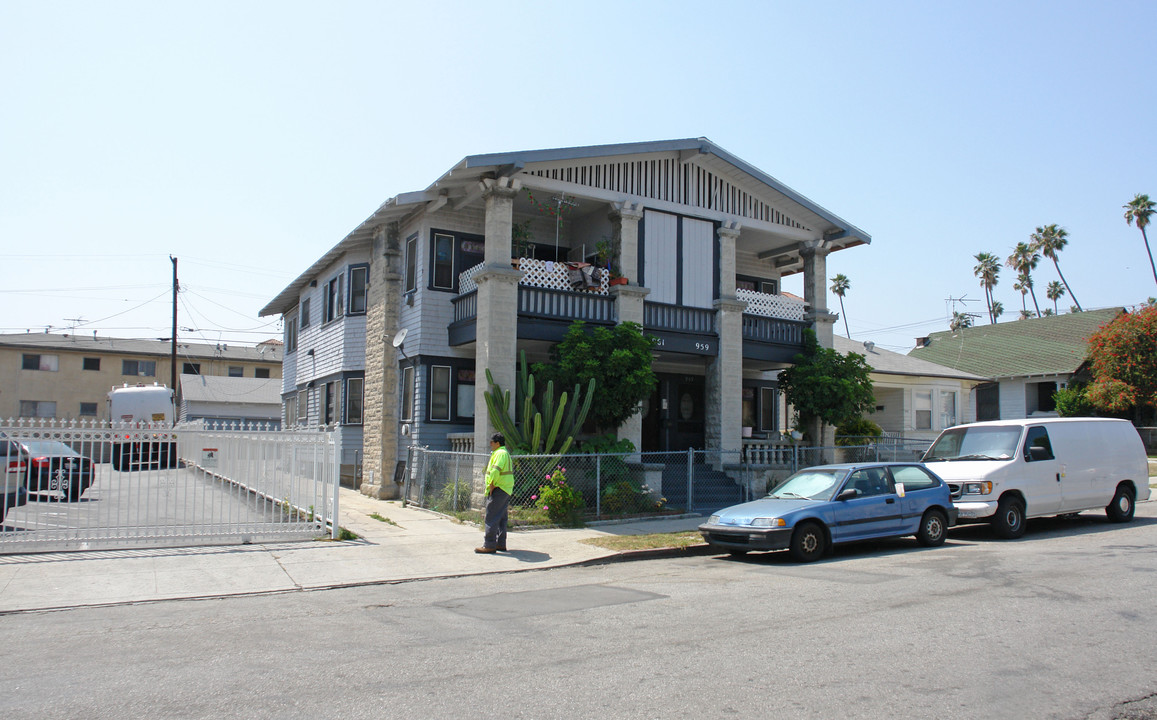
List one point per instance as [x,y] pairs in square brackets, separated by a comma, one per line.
[815,291]
[497,323]
[724,386]
[625,219]
[380,431]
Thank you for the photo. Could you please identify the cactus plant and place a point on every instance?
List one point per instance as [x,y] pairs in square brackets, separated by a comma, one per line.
[561,421]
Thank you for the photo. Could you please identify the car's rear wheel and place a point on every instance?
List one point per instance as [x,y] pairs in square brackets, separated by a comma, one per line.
[808,542]
[1009,520]
[933,528]
[1122,507]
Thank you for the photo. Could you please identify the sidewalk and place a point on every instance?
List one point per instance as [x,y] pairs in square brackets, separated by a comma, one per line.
[417,544]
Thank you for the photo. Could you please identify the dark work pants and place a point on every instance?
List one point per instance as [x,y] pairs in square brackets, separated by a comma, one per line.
[496,509]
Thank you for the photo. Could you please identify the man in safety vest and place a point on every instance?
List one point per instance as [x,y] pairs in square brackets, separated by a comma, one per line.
[499,488]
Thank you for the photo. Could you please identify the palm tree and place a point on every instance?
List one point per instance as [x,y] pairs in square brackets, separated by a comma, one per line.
[988,270]
[1023,284]
[1054,292]
[1024,260]
[997,310]
[840,285]
[1139,210]
[1050,240]
[960,321]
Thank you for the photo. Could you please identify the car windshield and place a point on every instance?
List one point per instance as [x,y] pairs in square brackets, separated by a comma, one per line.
[809,485]
[49,447]
[975,443]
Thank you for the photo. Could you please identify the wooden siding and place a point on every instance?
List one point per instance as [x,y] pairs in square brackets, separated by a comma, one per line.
[660,256]
[698,263]
[669,180]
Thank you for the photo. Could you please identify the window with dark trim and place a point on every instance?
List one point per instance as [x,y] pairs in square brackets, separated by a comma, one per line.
[191,369]
[38,408]
[303,407]
[47,363]
[760,408]
[329,416]
[443,262]
[354,400]
[91,363]
[440,392]
[450,255]
[139,368]
[88,409]
[236,371]
[406,412]
[291,411]
[762,285]
[333,307]
[305,313]
[261,373]
[359,289]
[290,334]
[411,263]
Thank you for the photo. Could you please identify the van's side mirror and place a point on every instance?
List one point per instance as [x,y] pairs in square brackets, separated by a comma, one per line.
[848,494]
[1036,453]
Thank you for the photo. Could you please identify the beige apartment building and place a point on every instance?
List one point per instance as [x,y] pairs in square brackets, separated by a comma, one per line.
[68,377]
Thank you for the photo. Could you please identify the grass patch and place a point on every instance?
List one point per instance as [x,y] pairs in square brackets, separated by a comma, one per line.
[386,520]
[652,541]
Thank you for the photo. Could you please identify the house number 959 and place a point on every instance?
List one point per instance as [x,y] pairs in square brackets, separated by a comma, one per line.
[703,346]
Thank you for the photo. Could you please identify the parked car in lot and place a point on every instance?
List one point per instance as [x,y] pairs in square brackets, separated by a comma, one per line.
[53,466]
[14,492]
[830,504]
[1006,471]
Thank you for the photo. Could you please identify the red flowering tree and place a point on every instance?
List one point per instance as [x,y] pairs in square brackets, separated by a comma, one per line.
[1124,357]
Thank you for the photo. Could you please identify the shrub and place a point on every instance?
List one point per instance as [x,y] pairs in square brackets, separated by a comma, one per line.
[856,430]
[562,503]
[1074,401]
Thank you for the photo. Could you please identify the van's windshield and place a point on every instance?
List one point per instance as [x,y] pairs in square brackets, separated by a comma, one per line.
[974,443]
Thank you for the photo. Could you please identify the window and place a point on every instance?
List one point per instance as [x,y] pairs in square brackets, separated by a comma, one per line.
[768,404]
[465,394]
[451,254]
[411,263]
[305,313]
[290,334]
[359,284]
[331,392]
[261,372]
[871,481]
[139,368]
[333,299]
[1038,397]
[747,282]
[236,371]
[987,402]
[37,409]
[303,407]
[923,409]
[91,364]
[947,409]
[191,369]
[354,400]
[439,392]
[913,477]
[88,409]
[291,411]
[47,363]
[407,410]
[1037,438]
[444,262]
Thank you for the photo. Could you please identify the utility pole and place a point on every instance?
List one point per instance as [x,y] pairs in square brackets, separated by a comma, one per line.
[173,353]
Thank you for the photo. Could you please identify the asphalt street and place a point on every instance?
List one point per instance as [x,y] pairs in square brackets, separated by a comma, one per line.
[1056,625]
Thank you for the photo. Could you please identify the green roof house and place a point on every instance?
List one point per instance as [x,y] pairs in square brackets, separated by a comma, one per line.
[1027,361]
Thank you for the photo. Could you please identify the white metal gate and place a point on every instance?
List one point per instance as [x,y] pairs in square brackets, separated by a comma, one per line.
[83,486]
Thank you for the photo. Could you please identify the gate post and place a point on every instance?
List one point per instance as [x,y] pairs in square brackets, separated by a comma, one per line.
[690,478]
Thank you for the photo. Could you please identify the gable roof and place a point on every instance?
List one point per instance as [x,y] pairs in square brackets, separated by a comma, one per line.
[886,362]
[1051,345]
[128,346]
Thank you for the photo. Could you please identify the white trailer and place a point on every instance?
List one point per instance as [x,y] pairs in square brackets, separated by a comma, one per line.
[142,415]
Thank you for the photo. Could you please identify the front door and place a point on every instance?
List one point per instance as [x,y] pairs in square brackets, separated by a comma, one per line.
[676,414]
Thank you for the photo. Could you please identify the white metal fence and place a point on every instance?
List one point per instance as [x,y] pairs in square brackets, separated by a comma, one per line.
[89,486]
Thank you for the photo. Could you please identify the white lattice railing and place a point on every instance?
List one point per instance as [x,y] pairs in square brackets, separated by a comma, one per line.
[536,273]
[773,306]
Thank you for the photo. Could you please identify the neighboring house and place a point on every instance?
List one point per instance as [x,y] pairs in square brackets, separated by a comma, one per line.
[914,398]
[68,376]
[392,330]
[230,402]
[1027,361]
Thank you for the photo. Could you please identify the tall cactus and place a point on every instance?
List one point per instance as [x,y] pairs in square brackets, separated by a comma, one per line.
[528,436]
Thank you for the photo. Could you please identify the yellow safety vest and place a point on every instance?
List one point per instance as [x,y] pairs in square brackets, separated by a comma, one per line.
[500,472]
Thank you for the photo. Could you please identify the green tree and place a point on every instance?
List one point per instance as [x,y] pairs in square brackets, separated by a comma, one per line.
[840,286]
[1073,401]
[1124,364]
[1055,291]
[988,270]
[1022,285]
[825,386]
[960,321]
[1050,240]
[1024,259]
[1138,211]
[997,310]
[618,358]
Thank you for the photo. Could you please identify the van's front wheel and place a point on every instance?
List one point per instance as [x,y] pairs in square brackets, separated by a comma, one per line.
[1009,519]
[1122,507]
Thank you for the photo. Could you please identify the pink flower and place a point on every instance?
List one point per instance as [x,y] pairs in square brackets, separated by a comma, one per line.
[533,497]
[546,507]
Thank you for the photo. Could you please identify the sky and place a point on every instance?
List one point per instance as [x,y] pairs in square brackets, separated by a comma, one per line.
[247,138]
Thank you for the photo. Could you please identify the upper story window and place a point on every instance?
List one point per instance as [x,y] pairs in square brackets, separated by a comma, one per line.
[236,371]
[359,289]
[305,313]
[91,363]
[47,363]
[760,285]
[139,368]
[411,264]
[191,369]
[451,254]
[290,334]
[333,289]
[261,372]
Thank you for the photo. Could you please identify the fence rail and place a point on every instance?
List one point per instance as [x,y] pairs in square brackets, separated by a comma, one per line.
[84,486]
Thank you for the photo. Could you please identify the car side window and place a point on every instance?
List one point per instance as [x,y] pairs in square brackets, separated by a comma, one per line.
[870,481]
[1037,437]
[914,477]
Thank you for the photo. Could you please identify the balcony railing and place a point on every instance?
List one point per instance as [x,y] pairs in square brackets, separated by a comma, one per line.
[661,316]
[773,306]
[773,330]
[565,305]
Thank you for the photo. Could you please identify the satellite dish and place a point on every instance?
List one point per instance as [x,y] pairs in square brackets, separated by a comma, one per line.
[400,337]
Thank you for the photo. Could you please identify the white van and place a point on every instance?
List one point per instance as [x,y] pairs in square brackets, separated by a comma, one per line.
[1008,470]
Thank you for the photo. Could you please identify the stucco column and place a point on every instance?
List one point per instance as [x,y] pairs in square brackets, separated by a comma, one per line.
[497,319]
[629,308]
[815,290]
[380,429]
[724,381]
[625,218]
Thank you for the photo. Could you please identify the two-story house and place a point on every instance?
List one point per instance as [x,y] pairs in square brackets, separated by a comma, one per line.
[391,331]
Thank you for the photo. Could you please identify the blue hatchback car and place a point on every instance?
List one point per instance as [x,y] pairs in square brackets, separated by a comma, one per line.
[821,506]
